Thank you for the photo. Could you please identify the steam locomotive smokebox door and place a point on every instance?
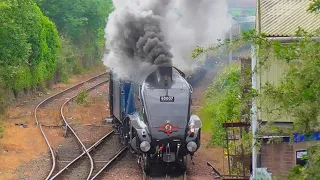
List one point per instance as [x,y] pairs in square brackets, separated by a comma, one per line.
[164,75]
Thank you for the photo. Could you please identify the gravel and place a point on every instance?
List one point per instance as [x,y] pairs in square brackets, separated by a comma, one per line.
[126,168]
[104,152]
[35,169]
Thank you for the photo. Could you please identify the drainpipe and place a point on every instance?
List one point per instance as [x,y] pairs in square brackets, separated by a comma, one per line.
[254,117]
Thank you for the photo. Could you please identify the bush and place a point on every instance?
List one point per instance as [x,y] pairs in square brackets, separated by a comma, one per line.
[222,103]
[82,97]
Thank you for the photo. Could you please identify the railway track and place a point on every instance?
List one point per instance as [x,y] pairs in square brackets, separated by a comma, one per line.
[98,153]
[53,103]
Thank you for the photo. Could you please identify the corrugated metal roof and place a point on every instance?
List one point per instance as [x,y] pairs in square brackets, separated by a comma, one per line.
[283,17]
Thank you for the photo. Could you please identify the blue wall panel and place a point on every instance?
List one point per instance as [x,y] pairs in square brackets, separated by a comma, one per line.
[302,137]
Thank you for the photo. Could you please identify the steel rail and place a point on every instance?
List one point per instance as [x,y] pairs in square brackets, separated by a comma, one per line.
[80,156]
[72,130]
[75,134]
[110,161]
[48,144]
[40,126]
[167,176]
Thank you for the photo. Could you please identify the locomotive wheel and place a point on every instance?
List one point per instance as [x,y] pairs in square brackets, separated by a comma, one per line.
[126,135]
[124,132]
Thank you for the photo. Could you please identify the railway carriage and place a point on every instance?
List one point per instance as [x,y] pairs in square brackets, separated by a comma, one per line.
[151,112]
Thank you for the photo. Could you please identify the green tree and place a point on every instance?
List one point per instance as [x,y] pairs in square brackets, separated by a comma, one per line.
[81,23]
[28,46]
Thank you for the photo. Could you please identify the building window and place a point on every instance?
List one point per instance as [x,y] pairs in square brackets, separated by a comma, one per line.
[300,160]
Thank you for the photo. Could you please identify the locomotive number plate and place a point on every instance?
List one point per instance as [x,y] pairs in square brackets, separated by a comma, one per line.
[166,99]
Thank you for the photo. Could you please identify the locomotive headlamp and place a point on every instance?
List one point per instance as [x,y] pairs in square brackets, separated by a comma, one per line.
[192,146]
[192,127]
[145,146]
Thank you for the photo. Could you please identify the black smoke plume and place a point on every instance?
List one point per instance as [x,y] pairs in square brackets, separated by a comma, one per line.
[162,32]
[135,36]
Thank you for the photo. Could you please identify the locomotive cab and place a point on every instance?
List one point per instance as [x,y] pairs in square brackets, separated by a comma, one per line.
[155,119]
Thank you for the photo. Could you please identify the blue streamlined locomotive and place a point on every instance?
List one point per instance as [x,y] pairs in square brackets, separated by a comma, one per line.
[151,112]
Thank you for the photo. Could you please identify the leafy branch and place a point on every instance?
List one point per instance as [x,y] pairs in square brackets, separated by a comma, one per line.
[314,6]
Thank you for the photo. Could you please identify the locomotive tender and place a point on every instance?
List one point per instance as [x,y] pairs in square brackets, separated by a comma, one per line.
[151,112]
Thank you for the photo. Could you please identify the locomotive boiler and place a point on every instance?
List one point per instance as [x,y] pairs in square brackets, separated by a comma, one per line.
[151,112]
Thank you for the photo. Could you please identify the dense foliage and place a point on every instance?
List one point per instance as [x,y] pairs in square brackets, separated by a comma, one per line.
[45,41]
[81,27]
[31,51]
[314,6]
[28,47]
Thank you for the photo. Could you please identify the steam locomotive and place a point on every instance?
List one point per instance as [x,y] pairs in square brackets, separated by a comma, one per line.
[151,112]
